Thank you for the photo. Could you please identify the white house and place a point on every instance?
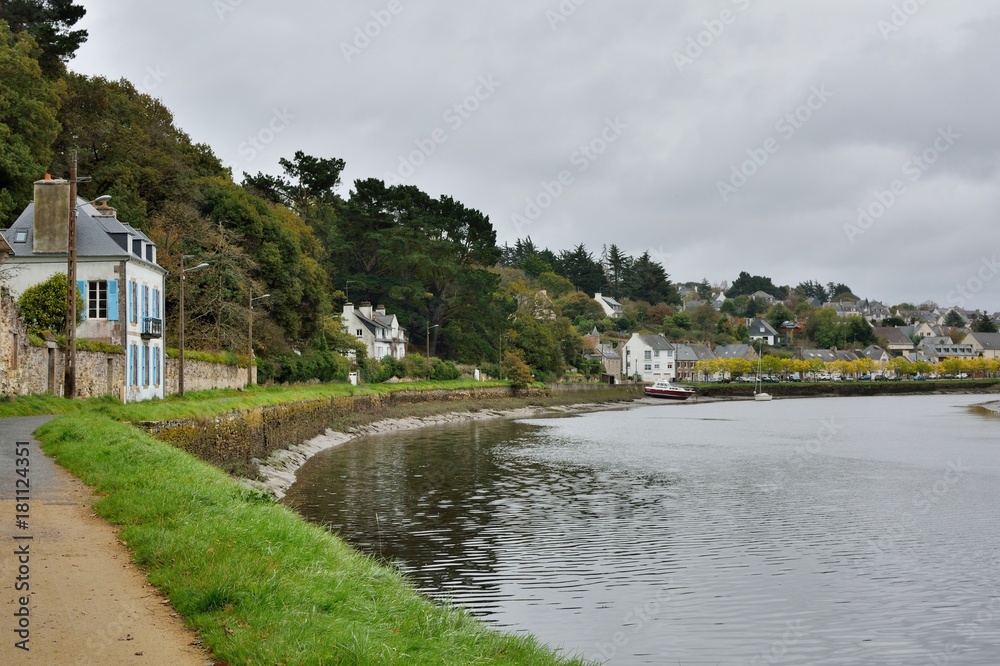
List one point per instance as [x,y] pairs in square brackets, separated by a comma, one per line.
[760,329]
[649,356]
[611,307]
[120,283]
[380,332]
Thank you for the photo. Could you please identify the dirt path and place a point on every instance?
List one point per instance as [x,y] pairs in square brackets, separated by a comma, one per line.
[87,603]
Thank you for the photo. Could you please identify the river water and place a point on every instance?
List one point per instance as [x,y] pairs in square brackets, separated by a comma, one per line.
[816,531]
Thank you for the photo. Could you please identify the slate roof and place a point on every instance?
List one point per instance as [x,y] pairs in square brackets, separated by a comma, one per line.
[894,335]
[694,353]
[97,236]
[655,342]
[990,341]
[735,351]
[760,328]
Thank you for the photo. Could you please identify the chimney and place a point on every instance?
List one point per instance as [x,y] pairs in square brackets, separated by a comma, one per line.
[365,308]
[597,296]
[348,309]
[51,215]
[104,210]
[380,309]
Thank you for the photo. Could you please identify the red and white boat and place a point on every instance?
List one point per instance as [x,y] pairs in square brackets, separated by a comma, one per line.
[664,389]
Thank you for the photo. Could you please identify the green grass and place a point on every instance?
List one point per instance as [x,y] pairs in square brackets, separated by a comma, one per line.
[261,584]
[214,402]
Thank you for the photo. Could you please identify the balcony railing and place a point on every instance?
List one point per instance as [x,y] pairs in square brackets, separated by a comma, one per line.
[152,328]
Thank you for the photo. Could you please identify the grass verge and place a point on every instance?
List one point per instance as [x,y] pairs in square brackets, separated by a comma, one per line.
[261,584]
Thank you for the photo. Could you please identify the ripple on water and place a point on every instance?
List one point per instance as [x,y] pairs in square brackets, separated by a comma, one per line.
[702,533]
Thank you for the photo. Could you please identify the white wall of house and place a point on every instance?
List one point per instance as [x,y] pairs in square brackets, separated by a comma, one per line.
[109,313]
[369,326]
[651,364]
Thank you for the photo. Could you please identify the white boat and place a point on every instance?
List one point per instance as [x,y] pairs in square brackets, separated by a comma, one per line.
[759,393]
[664,389]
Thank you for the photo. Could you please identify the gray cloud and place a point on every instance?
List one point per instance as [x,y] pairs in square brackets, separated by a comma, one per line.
[697,84]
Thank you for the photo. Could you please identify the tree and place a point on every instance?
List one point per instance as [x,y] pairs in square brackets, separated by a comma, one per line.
[29,104]
[49,22]
[984,325]
[577,305]
[579,266]
[893,321]
[309,181]
[43,306]
[747,285]
[954,319]
[813,289]
[651,283]
[617,267]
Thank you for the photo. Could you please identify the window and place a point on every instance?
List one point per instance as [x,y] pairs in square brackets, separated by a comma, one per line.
[656,354]
[359,333]
[156,366]
[156,303]
[648,367]
[133,365]
[648,355]
[145,300]
[657,366]
[21,235]
[97,299]
[133,300]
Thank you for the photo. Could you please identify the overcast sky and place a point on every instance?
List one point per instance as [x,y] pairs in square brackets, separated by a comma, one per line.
[719,136]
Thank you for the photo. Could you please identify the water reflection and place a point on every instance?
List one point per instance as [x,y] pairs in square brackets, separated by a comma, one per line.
[824,531]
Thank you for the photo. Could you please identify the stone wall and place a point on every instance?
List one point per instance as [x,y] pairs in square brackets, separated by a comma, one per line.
[26,369]
[200,375]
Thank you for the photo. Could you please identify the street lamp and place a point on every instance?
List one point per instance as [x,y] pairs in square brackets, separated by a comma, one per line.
[250,301]
[429,327]
[180,376]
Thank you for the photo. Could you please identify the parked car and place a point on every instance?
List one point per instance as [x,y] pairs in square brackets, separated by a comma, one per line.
[962,375]
[919,378]
[865,378]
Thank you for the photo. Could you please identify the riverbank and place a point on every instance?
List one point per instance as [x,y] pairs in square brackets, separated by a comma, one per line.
[259,583]
[278,472]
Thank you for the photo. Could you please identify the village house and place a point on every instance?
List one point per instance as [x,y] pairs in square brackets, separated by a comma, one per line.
[986,345]
[119,281]
[650,357]
[760,329]
[897,342]
[595,350]
[611,307]
[380,332]
[687,357]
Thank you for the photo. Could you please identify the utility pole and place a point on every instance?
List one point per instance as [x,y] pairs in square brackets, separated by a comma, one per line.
[69,378]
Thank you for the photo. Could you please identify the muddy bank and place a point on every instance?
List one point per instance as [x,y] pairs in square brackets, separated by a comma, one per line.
[277,472]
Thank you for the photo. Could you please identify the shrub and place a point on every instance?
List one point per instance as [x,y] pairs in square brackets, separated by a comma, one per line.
[444,370]
[43,306]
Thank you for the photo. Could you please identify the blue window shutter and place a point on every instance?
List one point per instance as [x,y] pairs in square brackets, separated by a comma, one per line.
[112,300]
[145,365]
[131,355]
[81,306]
[145,301]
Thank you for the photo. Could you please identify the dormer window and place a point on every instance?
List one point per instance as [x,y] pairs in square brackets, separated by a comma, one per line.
[21,235]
